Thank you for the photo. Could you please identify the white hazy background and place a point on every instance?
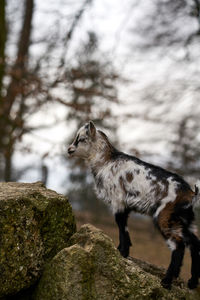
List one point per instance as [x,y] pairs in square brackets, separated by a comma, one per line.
[161,86]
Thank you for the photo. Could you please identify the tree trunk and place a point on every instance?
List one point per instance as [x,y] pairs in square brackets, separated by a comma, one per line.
[8,165]
[19,68]
[2,41]
[14,90]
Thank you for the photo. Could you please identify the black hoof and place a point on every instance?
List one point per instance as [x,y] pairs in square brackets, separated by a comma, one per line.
[192,284]
[123,252]
[166,283]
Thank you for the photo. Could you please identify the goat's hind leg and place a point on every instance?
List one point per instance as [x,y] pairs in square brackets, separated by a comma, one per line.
[171,229]
[124,238]
[194,244]
[178,250]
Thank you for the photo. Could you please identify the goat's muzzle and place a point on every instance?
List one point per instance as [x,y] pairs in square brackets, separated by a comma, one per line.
[71,150]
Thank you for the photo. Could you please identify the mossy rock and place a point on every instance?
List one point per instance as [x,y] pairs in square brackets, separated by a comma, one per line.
[35,224]
[92,268]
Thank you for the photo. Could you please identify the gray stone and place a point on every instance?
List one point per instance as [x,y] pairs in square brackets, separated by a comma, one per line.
[92,268]
[35,224]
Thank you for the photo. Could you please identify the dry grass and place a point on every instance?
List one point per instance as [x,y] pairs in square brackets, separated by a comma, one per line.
[148,244]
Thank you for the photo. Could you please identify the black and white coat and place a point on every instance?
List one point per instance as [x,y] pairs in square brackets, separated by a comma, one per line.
[128,184]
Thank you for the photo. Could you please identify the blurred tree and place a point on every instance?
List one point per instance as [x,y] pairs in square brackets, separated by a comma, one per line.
[2,40]
[186,147]
[168,35]
[92,85]
[25,86]
[3,32]
[11,112]
[167,23]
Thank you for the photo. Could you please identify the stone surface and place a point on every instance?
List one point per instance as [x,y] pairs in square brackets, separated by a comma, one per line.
[92,268]
[35,224]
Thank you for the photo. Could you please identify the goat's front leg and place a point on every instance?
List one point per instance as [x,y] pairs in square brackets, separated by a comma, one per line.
[124,238]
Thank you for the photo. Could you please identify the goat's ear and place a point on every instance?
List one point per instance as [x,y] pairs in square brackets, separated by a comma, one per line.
[92,129]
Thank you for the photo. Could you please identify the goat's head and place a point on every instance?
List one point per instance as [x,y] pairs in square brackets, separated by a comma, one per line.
[83,142]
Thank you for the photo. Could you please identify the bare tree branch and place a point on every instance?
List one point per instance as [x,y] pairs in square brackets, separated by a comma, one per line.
[72,29]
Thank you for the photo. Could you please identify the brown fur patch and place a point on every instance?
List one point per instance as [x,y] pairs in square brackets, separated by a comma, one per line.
[129,176]
[183,196]
[172,229]
[158,191]
[164,217]
[169,229]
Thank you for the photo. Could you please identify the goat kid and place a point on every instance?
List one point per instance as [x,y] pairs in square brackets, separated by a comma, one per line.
[128,184]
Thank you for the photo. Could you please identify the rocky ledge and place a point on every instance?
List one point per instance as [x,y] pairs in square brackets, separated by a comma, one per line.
[42,257]
[92,268]
[35,224]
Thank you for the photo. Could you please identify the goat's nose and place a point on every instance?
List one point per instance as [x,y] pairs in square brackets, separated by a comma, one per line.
[71,149]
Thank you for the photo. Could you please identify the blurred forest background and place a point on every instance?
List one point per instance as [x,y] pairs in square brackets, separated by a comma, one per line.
[134,69]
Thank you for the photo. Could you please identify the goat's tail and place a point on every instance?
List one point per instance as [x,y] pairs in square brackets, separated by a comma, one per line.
[196,199]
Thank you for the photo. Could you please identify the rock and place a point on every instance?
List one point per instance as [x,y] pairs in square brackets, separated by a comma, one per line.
[35,224]
[92,268]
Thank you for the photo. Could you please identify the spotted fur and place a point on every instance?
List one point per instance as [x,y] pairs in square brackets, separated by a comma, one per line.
[127,183]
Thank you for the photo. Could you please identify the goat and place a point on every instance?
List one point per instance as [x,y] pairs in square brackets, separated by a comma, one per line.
[128,184]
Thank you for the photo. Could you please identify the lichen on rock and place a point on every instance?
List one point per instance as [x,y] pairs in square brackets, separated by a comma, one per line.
[35,224]
[92,268]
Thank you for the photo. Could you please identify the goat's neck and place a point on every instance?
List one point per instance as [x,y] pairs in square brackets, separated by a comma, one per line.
[98,159]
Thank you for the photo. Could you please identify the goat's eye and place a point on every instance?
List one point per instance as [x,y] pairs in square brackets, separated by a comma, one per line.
[82,140]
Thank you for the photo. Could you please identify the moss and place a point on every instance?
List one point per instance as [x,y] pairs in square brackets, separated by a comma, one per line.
[79,272]
[35,223]
[57,226]
[92,268]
